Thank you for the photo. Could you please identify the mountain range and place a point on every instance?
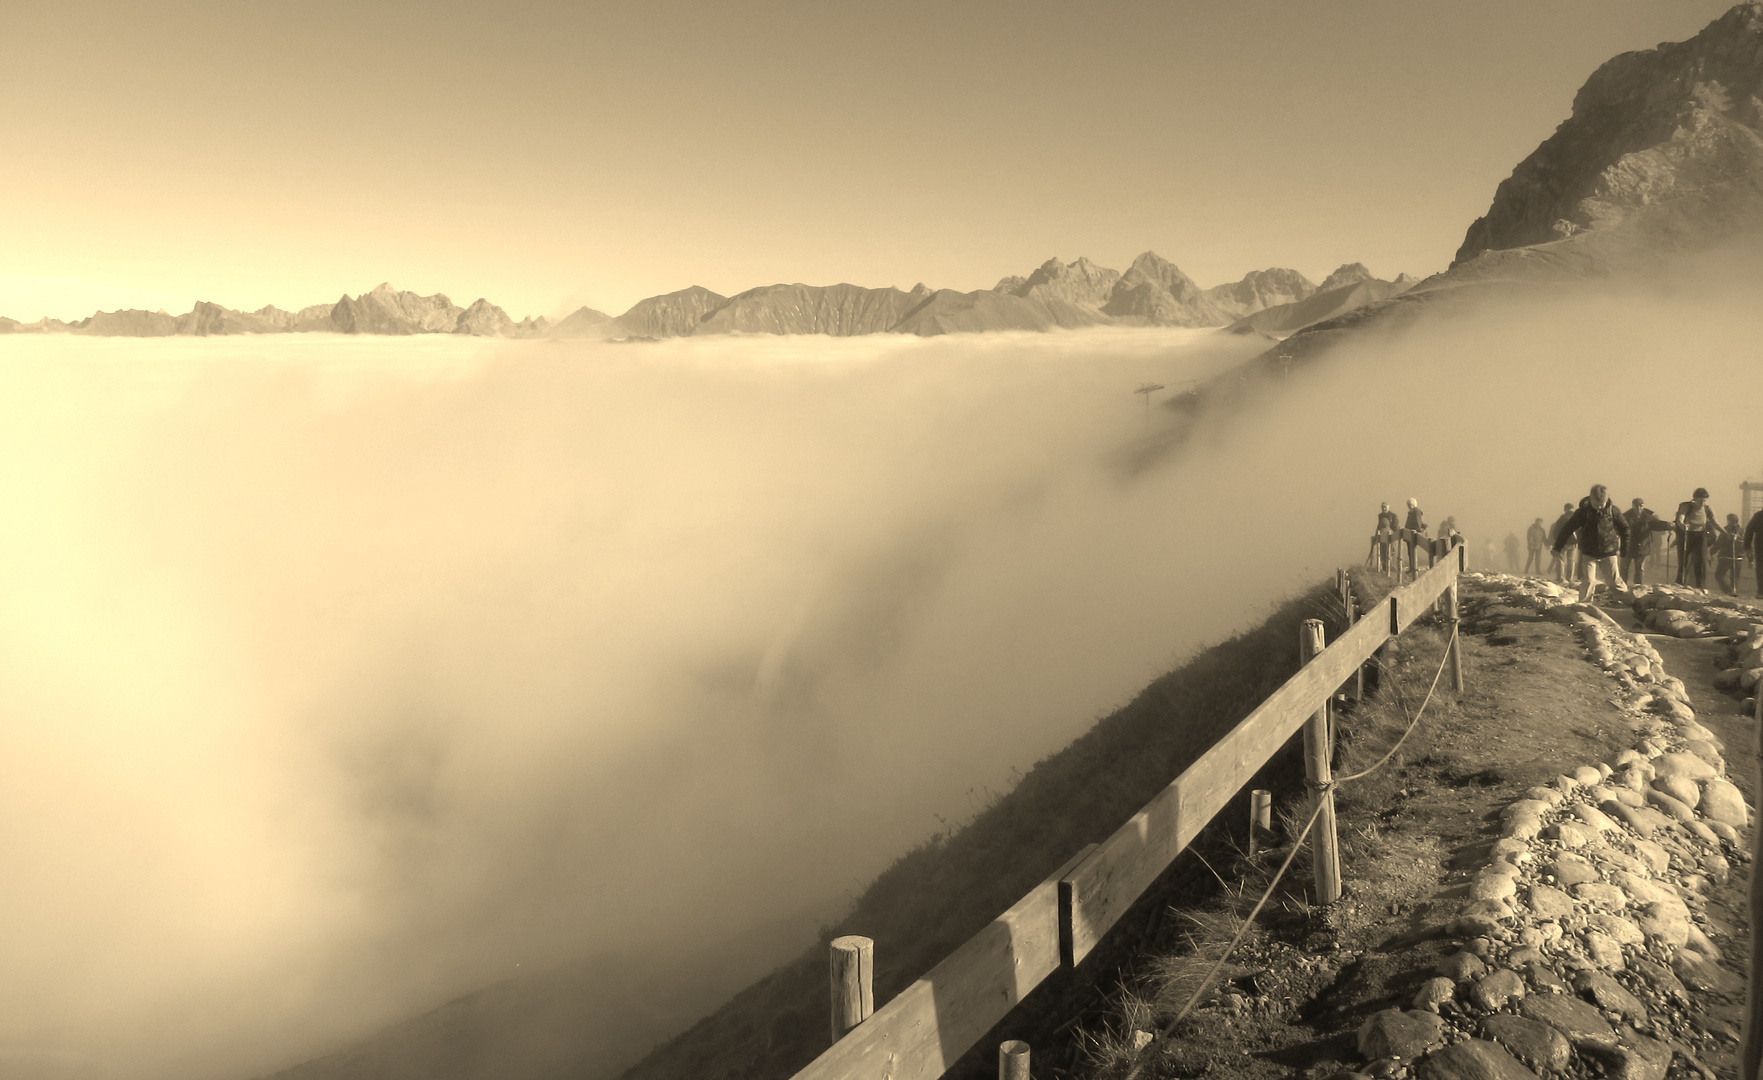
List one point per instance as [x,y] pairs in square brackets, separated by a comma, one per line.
[1152,292]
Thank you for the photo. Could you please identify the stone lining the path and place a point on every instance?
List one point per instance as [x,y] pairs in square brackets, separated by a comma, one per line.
[1584,934]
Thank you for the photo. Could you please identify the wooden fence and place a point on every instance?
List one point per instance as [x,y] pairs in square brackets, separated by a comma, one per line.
[922,1032]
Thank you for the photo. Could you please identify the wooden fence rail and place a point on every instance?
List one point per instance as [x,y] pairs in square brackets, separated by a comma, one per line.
[923,1031]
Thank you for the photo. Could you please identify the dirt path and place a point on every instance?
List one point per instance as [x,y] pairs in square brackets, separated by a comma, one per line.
[1414,837]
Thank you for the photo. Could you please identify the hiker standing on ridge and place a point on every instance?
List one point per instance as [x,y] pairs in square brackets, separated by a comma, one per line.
[1643,541]
[1694,521]
[1754,546]
[1413,530]
[1383,541]
[1561,566]
[1512,553]
[1726,562]
[1537,536]
[1603,537]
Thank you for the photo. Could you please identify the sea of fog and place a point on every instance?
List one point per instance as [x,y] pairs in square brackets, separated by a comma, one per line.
[339,676]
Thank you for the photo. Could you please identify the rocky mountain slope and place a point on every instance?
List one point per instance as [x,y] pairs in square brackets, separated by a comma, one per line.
[1675,123]
[1261,289]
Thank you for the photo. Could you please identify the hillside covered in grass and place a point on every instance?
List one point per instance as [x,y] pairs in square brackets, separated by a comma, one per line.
[938,895]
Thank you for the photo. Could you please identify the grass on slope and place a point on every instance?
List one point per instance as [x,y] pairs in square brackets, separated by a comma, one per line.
[938,895]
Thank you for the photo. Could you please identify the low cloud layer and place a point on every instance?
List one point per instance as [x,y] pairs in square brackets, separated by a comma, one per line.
[343,676]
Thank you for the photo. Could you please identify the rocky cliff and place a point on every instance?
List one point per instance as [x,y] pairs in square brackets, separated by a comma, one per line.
[1662,125]
[673,314]
[1261,289]
[838,310]
[1155,290]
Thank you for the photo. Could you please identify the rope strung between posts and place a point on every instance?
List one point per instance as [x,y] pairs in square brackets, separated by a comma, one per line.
[1322,790]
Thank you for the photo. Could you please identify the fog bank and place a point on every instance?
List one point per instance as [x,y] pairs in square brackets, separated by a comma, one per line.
[340,676]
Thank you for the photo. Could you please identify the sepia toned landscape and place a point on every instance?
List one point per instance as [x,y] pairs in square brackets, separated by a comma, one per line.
[555,683]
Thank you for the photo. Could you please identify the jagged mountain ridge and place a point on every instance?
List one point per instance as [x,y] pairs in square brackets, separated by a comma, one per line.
[1056,295]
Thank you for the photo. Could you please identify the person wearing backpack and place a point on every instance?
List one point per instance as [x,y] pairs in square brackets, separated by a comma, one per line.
[1754,546]
[1602,533]
[1643,541]
[1695,523]
[1537,538]
[1413,533]
[1561,566]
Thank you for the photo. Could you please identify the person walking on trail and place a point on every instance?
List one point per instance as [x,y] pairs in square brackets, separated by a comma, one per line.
[1413,532]
[1602,533]
[1726,561]
[1537,537]
[1643,541]
[1561,565]
[1753,546]
[1695,524]
[1512,553]
[1383,541]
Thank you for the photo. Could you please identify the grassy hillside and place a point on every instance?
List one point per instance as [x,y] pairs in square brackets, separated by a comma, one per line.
[940,894]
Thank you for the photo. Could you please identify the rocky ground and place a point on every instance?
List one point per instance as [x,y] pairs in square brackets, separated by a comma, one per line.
[1550,879]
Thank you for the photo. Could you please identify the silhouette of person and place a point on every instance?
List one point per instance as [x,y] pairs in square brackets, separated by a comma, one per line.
[1643,541]
[1726,551]
[1753,544]
[1413,532]
[1512,552]
[1537,537]
[1562,554]
[1384,539]
[1695,523]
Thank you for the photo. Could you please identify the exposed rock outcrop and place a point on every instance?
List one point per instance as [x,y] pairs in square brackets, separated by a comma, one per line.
[1323,305]
[1260,289]
[484,319]
[386,310]
[1344,275]
[1081,282]
[1675,124]
[949,312]
[673,314]
[131,322]
[1155,291]
[838,310]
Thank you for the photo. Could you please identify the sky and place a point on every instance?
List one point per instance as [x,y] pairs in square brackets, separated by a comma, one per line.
[549,155]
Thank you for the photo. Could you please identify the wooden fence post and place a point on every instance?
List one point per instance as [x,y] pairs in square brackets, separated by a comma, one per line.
[1260,814]
[853,977]
[1013,1060]
[1327,855]
[1359,674]
[1456,646]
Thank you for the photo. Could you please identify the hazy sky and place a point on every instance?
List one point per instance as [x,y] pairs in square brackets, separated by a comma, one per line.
[548,155]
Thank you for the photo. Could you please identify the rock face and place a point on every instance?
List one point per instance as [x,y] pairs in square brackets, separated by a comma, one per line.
[128,323]
[386,310]
[673,314]
[949,312]
[484,319]
[1261,289]
[838,310]
[1081,282]
[1155,290]
[1675,124]
[1345,275]
[1319,307]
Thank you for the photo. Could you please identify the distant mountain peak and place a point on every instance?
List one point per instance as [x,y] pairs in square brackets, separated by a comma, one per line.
[1344,275]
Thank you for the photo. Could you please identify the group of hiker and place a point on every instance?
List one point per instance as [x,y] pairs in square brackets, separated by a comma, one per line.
[1391,538]
[1593,543]
[1596,539]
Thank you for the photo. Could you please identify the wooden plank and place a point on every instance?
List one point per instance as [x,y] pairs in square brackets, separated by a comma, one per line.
[1104,885]
[1413,599]
[921,1033]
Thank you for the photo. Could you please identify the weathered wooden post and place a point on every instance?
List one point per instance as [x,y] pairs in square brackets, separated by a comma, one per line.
[1260,815]
[853,977]
[1316,769]
[1359,672]
[1013,1060]
[1455,649]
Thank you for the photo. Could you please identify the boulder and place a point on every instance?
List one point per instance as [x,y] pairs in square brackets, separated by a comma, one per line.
[1707,751]
[1603,950]
[1480,917]
[1393,1033]
[1664,924]
[1660,978]
[1570,834]
[1474,1059]
[1601,895]
[1495,989]
[1526,808]
[1544,795]
[1548,902]
[1635,1058]
[1593,817]
[1434,992]
[1609,995]
[1688,766]
[1658,860]
[1534,1043]
[1622,930]
[1699,972]
[1492,885]
[1722,802]
[1587,776]
[1462,967]
[1570,1016]
[1569,870]
[1670,807]
[1628,815]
